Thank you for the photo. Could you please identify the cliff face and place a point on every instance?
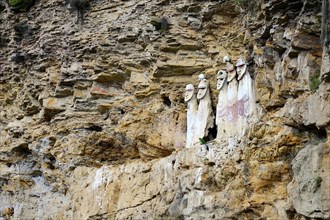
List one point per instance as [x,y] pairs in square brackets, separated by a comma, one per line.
[93,122]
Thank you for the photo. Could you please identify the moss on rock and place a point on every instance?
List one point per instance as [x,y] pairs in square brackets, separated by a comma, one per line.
[21,5]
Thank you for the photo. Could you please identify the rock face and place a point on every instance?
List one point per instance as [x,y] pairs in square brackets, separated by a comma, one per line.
[93,120]
[310,187]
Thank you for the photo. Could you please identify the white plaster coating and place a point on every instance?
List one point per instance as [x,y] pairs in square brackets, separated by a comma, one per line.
[221,79]
[191,115]
[232,108]
[241,68]
[202,89]
[205,117]
[189,92]
[230,69]
[232,111]
[246,99]
[221,116]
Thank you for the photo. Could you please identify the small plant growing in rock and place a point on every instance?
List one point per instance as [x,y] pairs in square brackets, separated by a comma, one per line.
[79,6]
[202,141]
[317,183]
[314,81]
[20,5]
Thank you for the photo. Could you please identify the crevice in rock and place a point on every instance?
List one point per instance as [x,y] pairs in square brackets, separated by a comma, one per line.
[139,204]
[94,128]
[212,134]
[101,216]
[8,164]
[49,114]
[50,160]
[320,132]
[22,150]
[167,101]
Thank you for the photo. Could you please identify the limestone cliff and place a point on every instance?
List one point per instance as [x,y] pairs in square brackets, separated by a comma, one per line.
[93,122]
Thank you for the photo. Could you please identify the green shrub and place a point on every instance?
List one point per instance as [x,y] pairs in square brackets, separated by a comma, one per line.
[202,141]
[314,81]
[15,3]
[21,5]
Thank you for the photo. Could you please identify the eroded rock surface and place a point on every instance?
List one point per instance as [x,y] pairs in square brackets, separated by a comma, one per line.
[93,119]
[309,189]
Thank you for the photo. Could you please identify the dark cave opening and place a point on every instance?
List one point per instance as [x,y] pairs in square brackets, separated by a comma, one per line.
[320,132]
[212,133]
[22,150]
[166,101]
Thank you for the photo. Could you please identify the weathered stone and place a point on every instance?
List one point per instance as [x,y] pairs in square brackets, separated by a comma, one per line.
[53,106]
[146,92]
[140,78]
[103,90]
[306,42]
[310,189]
[57,103]
[109,77]
[176,68]
[279,42]
[181,45]
[75,68]
[119,136]
[32,106]
[63,91]
[80,94]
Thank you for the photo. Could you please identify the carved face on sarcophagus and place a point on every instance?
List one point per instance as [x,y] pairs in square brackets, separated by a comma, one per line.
[221,79]
[230,68]
[202,89]
[241,68]
[189,92]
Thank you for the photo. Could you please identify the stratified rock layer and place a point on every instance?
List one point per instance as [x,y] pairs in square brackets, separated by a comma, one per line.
[93,122]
